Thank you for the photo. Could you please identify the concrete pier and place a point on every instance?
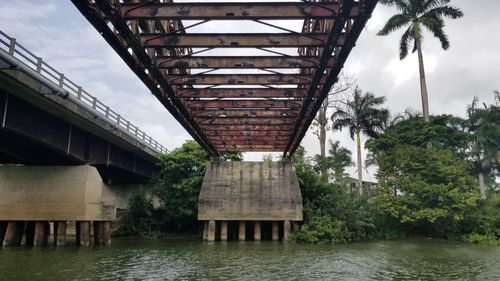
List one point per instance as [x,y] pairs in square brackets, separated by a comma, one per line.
[60,233]
[30,233]
[14,233]
[256,231]
[83,233]
[275,231]
[242,231]
[106,232]
[3,228]
[41,234]
[286,229]
[223,230]
[211,231]
[98,239]
[250,192]
[205,230]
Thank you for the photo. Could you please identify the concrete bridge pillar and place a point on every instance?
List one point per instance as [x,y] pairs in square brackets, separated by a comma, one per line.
[223,230]
[106,232]
[256,231]
[276,231]
[60,233]
[3,228]
[242,231]
[14,233]
[83,233]
[30,233]
[211,231]
[286,229]
[205,230]
[98,239]
[41,233]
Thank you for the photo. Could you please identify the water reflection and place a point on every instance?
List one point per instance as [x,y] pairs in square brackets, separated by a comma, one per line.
[131,259]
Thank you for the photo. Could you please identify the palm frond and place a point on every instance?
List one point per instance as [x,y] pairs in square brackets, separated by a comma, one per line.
[405,42]
[435,26]
[399,4]
[394,23]
[444,11]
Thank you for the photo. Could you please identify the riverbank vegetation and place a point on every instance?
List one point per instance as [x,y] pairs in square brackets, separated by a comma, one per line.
[434,179]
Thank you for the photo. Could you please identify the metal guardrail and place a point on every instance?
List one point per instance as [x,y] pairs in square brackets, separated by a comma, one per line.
[76,93]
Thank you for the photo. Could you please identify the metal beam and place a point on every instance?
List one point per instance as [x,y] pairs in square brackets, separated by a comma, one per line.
[242,104]
[245,114]
[230,11]
[248,133]
[241,79]
[239,62]
[249,138]
[233,40]
[258,142]
[247,148]
[243,93]
[239,128]
[248,121]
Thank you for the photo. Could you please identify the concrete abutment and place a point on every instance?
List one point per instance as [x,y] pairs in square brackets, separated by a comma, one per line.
[38,202]
[262,200]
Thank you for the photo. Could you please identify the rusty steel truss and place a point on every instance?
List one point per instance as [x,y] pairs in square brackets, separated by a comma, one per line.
[265,102]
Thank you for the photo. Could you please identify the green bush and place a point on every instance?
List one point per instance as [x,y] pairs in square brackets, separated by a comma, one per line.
[482,239]
[322,229]
[138,221]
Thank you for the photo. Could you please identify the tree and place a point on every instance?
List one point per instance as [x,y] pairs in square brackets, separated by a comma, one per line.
[361,114]
[178,183]
[338,159]
[429,190]
[417,14]
[320,123]
[484,138]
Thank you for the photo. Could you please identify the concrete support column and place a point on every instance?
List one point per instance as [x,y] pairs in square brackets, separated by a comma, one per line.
[30,233]
[106,232]
[98,239]
[286,229]
[83,233]
[3,228]
[14,233]
[223,230]
[42,230]
[242,231]
[205,230]
[60,233]
[276,231]
[256,231]
[211,231]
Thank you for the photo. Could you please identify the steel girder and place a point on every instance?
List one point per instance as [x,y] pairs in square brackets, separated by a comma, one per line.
[269,110]
[231,11]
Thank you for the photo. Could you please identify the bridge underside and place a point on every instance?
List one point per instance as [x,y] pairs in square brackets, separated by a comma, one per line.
[235,91]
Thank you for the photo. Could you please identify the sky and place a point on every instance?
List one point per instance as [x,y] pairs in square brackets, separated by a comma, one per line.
[57,32]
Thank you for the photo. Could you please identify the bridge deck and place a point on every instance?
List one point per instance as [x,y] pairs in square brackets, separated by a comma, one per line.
[275,95]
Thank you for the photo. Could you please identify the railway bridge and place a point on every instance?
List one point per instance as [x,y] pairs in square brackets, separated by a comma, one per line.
[238,76]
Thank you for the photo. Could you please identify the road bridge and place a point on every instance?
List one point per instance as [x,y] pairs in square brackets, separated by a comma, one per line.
[65,155]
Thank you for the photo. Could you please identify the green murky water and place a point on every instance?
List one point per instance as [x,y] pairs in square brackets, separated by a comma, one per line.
[129,259]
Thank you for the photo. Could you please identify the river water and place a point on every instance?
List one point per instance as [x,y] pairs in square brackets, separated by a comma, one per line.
[132,259]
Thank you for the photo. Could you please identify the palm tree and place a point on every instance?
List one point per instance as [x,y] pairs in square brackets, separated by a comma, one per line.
[362,114]
[484,130]
[417,14]
[338,159]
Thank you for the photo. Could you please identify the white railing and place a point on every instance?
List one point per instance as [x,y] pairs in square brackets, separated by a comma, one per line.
[24,56]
